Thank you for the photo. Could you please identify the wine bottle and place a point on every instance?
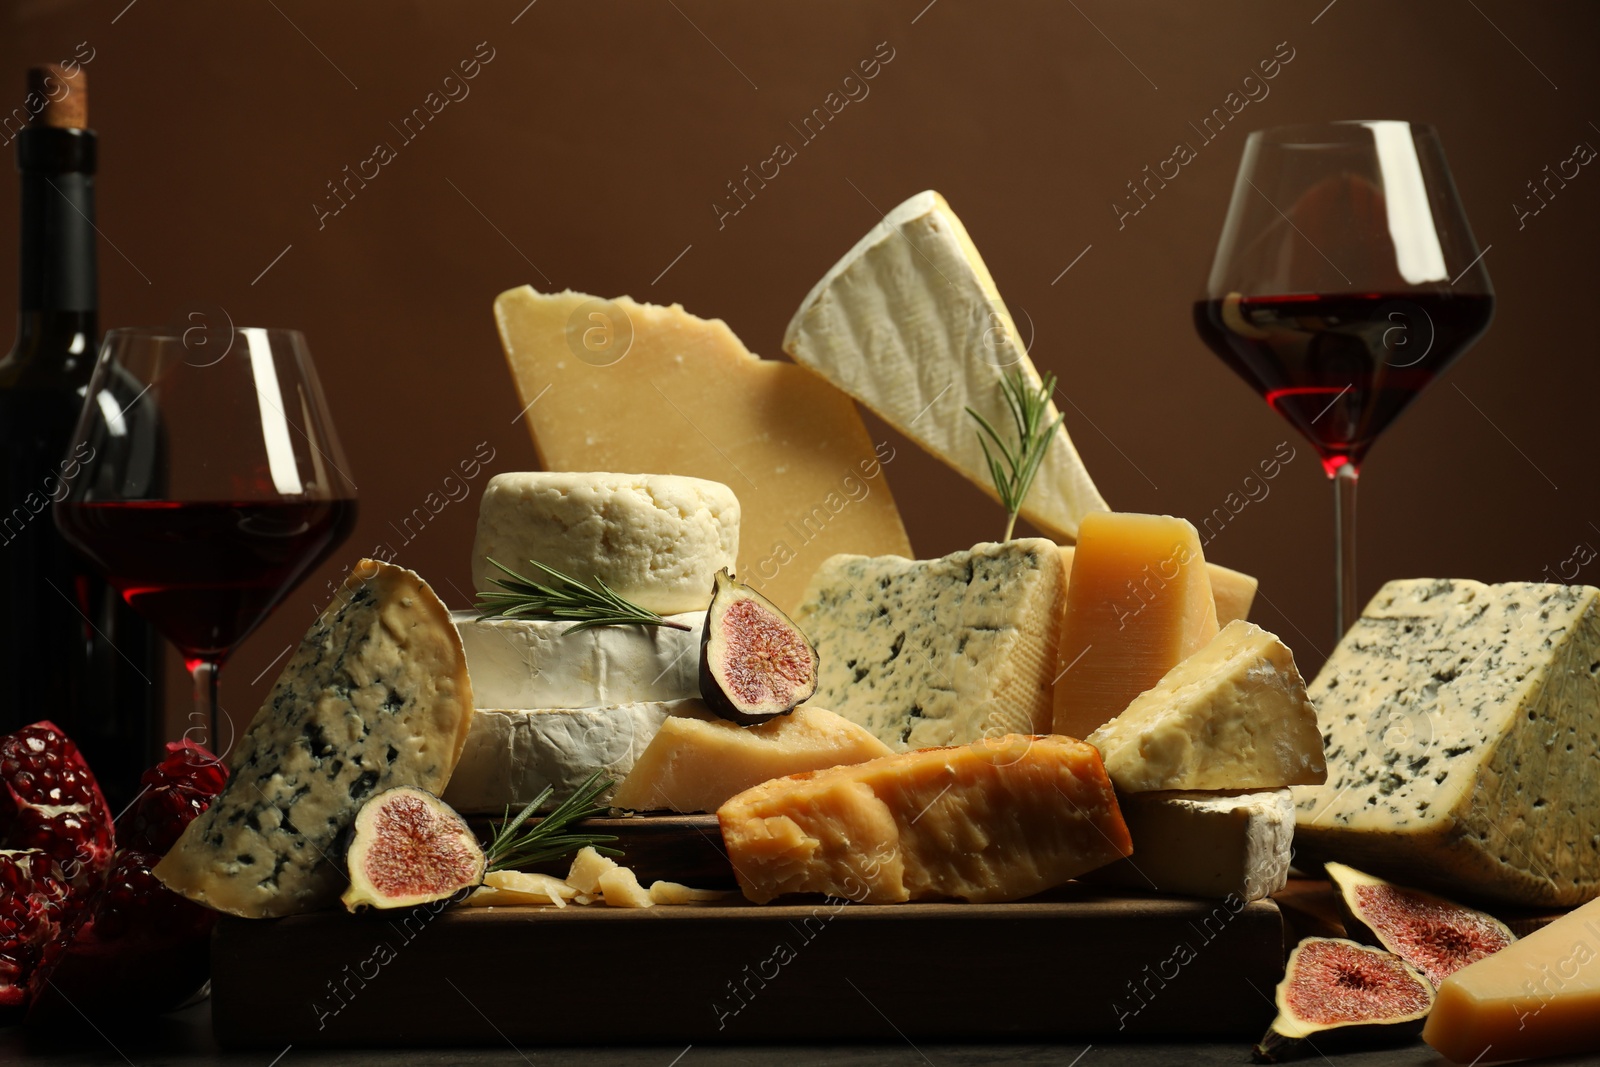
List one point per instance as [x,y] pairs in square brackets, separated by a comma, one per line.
[70,649]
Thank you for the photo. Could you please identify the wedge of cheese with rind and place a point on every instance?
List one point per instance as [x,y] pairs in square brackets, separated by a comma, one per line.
[911,324]
[1234,715]
[376,696]
[940,651]
[526,664]
[1461,722]
[999,819]
[696,763]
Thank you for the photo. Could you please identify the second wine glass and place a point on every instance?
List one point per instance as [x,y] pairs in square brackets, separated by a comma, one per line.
[209,482]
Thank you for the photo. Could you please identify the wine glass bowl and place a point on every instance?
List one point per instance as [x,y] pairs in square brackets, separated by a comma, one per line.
[1345,280]
[211,482]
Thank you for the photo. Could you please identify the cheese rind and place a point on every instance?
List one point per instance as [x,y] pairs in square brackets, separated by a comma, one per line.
[1536,997]
[696,764]
[941,651]
[1206,844]
[376,696]
[655,539]
[1139,602]
[1232,716]
[511,756]
[911,324]
[1461,725]
[524,664]
[995,820]
[636,387]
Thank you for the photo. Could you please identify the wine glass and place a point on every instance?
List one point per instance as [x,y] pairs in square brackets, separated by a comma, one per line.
[209,481]
[1345,280]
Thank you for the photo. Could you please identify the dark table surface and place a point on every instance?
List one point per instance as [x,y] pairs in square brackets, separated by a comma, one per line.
[183,1039]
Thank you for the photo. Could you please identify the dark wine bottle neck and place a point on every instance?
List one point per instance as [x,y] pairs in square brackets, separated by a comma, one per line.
[59,291]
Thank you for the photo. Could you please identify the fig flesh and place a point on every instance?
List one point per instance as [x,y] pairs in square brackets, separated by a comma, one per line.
[1436,936]
[1337,994]
[409,847]
[755,663]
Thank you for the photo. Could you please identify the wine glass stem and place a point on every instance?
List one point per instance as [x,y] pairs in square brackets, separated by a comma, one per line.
[206,709]
[1346,606]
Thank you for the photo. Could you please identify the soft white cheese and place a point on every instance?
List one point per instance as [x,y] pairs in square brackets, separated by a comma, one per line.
[1206,844]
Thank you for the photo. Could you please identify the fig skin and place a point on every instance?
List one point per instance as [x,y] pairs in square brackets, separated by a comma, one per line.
[727,592]
[1491,933]
[1291,1036]
[445,828]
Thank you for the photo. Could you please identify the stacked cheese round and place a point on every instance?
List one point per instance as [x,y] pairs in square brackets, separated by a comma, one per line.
[554,706]
[655,539]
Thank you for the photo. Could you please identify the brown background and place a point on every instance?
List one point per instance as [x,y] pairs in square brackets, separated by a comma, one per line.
[592,146]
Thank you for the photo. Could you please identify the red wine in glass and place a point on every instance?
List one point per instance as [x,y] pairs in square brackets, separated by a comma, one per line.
[1342,366]
[206,573]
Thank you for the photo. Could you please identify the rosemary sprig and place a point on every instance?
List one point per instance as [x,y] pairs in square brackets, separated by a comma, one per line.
[566,598]
[514,847]
[1028,406]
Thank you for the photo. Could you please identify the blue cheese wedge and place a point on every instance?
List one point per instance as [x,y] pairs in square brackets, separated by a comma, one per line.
[376,696]
[941,651]
[1461,722]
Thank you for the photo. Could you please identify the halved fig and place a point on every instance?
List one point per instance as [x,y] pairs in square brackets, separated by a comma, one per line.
[1337,994]
[1436,936]
[755,663]
[409,847]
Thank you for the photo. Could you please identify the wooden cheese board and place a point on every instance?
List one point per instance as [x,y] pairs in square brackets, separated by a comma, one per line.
[1077,962]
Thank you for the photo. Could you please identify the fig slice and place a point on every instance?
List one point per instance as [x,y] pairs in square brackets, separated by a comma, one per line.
[409,847]
[1338,994]
[1436,936]
[755,663]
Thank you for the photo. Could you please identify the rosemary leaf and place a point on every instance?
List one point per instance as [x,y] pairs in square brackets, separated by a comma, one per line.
[1014,467]
[553,837]
[564,597]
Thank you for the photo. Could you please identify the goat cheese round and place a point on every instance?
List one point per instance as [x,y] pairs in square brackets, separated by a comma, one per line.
[655,539]
[510,756]
[522,664]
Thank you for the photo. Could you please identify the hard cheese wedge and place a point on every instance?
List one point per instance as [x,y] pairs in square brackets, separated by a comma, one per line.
[1139,603]
[911,324]
[940,651]
[616,385]
[1536,997]
[1231,591]
[995,820]
[376,696]
[1462,722]
[1232,716]
[1206,844]
[697,763]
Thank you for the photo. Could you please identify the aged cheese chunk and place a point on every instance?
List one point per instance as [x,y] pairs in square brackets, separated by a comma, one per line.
[376,696]
[655,539]
[1139,602]
[940,651]
[695,764]
[621,889]
[998,819]
[910,323]
[1232,716]
[511,756]
[1206,844]
[1536,997]
[523,664]
[1232,591]
[1461,722]
[635,387]
[521,887]
[673,893]
[587,868]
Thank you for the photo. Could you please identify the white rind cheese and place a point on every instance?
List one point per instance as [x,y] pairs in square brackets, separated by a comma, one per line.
[1232,716]
[510,756]
[655,539]
[911,324]
[1462,722]
[376,696]
[523,664]
[1206,844]
[942,651]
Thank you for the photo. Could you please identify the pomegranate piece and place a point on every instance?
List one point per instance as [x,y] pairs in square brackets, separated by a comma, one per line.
[33,902]
[50,801]
[177,789]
